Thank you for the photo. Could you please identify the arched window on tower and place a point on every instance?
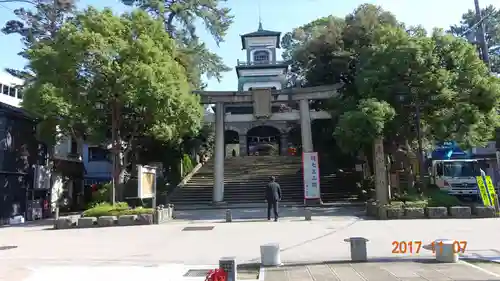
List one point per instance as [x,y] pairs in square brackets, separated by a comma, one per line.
[261,56]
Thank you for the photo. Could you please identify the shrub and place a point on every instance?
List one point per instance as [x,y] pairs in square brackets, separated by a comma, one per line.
[120,208]
[416,204]
[395,204]
[438,198]
[102,194]
[187,164]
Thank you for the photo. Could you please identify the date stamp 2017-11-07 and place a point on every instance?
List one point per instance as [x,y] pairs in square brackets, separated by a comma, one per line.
[413,247]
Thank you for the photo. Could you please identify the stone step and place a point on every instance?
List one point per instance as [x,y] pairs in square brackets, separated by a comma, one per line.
[238,187]
[264,168]
[255,198]
[242,180]
[233,189]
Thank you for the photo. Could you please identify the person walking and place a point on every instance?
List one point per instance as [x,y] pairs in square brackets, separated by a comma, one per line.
[273,196]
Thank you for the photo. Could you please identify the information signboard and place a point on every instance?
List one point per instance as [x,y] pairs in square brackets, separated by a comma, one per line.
[146,182]
[310,167]
[483,191]
[491,190]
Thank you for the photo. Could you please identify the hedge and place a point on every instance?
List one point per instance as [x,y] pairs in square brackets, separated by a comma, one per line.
[119,209]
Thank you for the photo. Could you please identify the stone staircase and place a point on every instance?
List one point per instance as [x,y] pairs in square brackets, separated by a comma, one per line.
[244,181]
[335,188]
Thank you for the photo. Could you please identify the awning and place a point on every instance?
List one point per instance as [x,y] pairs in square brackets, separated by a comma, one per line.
[71,169]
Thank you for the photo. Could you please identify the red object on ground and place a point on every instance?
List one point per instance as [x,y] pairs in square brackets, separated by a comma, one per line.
[216,275]
[93,187]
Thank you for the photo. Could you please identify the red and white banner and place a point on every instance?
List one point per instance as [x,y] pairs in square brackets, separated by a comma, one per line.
[310,167]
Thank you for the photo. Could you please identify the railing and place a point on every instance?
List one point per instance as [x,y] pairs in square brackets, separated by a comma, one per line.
[251,63]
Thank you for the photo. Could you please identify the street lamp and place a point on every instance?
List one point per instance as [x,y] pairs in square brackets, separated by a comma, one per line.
[416,103]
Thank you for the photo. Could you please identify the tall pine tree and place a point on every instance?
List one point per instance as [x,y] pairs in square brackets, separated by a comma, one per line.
[179,17]
[39,22]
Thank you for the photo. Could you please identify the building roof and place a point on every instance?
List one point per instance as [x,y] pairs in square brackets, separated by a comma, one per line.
[16,111]
[7,79]
[261,32]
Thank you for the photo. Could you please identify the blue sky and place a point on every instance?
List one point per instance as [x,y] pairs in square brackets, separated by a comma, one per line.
[278,16]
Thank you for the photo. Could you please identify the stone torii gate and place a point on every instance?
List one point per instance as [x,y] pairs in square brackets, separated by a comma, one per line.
[262,100]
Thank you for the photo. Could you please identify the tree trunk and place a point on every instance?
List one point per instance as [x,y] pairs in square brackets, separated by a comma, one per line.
[409,170]
[116,151]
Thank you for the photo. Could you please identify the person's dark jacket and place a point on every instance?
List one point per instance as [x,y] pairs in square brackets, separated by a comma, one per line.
[273,191]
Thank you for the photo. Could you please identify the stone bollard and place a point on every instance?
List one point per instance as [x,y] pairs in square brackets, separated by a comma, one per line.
[308,214]
[56,217]
[446,250]
[229,216]
[358,248]
[270,254]
[230,267]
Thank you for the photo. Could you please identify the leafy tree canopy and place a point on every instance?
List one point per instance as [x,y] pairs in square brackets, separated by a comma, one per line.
[97,61]
[179,18]
[387,71]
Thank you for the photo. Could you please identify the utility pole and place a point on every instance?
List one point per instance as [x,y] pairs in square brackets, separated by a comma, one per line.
[420,149]
[480,35]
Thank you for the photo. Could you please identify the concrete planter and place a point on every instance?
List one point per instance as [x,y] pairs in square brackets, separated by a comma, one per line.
[395,213]
[436,212]
[163,214]
[106,221]
[87,222]
[483,212]
[381,212]
[371,209]
[414,213]
[127,220]
[145,219]
[66,222]
[460,212]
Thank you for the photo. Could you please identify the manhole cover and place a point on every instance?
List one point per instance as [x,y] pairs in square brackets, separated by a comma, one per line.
[197,228]
[196,273]
[7,247]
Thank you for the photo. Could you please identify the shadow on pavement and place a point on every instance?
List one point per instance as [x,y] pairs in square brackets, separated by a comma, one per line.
[260,214]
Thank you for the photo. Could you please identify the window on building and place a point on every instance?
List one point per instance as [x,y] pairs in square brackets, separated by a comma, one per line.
[12,91]
[5,90]
[74,146]
[98,154]
[261,56]
[20,94]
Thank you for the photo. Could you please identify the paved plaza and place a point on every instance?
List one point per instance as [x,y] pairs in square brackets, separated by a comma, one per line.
[383,271]
[30,249]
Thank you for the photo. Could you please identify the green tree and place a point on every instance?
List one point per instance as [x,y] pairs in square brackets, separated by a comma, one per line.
[442,75]
[492,30]
[387,70]
[39,22]
[101,71]
[179,18]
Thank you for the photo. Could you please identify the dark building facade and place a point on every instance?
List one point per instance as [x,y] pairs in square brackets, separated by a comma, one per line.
[18,155]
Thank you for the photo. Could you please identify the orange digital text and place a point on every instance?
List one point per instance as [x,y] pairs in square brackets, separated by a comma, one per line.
[414,247]
[458,247]
[406,247]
